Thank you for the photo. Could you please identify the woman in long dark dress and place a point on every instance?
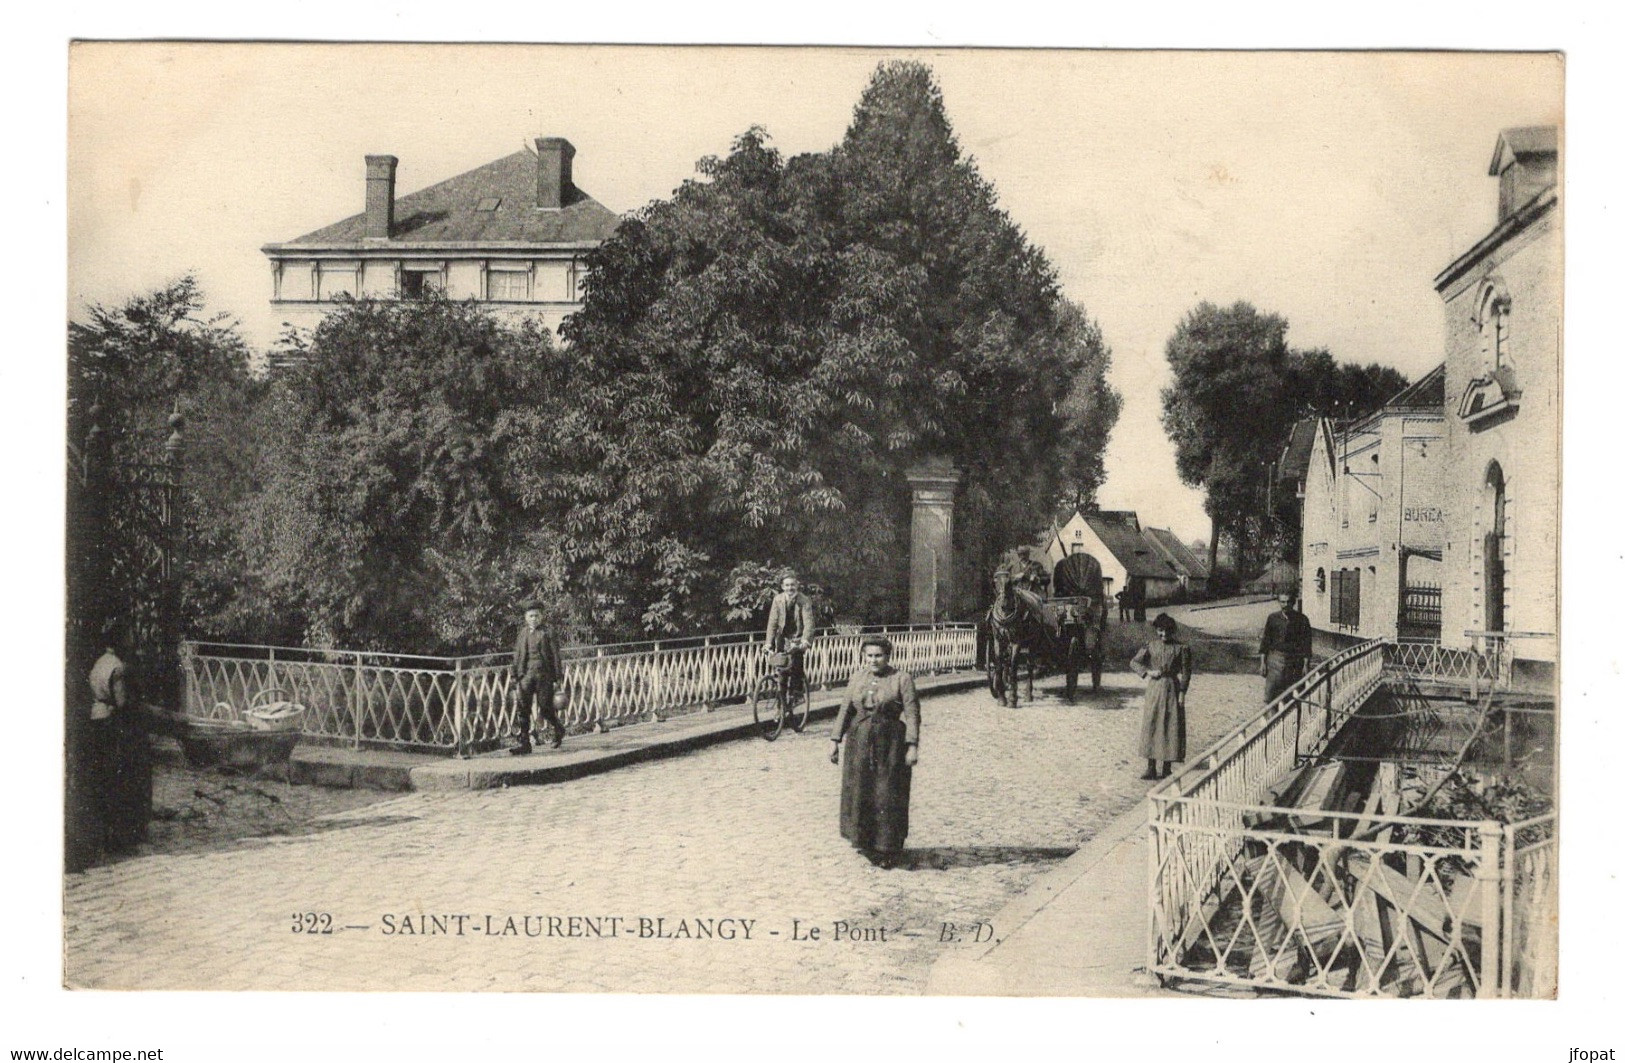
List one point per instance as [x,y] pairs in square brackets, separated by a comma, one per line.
[1165,664]
[880,721]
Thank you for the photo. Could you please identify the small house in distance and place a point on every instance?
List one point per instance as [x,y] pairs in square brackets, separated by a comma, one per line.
[1129,561]
[1187,563]
[511,233]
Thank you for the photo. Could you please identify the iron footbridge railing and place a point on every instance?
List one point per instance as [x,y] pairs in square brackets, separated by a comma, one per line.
[459,705]
[1308,895]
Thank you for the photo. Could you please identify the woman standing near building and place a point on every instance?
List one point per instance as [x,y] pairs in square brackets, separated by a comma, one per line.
[1165,664]
[880,721]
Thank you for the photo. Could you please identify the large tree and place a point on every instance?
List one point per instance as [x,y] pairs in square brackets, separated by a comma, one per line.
[760,358]
[1090,408]
[134,364]
[1237,390]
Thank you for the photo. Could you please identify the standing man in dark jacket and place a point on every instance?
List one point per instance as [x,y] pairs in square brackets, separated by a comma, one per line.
[538,669]
[1284,649]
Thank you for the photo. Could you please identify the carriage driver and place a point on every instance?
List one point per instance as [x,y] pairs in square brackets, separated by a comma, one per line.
[1028,573]
[790,625]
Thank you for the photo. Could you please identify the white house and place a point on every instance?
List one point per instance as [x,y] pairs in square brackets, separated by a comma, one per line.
[1128,560]
[511,233]
[1374,519]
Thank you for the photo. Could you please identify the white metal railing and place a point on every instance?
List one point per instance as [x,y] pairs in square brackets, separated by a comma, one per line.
[458,704]
[1529,956]
[1367,903]
[1426,659]
[1204,810]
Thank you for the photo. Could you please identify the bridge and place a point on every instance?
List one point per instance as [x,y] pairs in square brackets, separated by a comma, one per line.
[1288,857]
[1308,851]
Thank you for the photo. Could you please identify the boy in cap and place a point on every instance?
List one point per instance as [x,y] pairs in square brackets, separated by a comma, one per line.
[538,668]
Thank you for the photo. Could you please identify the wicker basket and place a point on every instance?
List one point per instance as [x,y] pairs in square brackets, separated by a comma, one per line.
[277,716]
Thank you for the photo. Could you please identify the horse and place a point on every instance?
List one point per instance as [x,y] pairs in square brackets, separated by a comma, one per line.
[1016,627]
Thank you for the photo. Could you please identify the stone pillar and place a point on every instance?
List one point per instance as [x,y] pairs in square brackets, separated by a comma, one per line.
[931,553]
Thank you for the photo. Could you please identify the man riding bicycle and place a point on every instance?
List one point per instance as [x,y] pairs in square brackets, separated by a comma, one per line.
[790,626]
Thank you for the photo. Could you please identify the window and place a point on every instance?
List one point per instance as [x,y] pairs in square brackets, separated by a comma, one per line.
[417,283]
[1320,581]
[1494,330]
[335,280]
[1346,597]
[507,284]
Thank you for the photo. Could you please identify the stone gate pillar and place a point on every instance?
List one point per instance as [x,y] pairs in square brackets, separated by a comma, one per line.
[931,552]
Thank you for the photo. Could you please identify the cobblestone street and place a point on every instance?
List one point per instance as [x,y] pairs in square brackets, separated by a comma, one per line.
[695,874]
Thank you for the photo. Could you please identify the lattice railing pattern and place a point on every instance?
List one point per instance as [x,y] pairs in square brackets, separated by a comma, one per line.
[455,704]
[1239,771]
[1367,904]
[1331,915]
[1427,660]
[357,700]
[1530,955]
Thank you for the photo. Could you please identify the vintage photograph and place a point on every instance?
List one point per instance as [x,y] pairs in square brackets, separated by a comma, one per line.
[838,521]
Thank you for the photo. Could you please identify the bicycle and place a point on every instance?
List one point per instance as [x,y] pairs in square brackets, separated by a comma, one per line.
[779,696]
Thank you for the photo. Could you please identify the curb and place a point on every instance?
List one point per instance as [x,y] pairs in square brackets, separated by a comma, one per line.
[492,772]
[954,970]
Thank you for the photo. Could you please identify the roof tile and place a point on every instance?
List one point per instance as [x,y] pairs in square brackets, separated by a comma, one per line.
[449,212]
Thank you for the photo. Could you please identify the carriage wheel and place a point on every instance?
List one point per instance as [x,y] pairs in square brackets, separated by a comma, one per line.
[767,707]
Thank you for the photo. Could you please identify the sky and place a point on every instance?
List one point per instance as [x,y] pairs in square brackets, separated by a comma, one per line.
[1329,188]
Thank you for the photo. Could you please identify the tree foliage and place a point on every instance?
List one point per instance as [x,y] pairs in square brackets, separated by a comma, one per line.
[389,512]
[130,367]
[760,358]
[1237,390]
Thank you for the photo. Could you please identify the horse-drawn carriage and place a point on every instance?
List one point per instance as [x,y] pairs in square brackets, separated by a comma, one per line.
[1065,630]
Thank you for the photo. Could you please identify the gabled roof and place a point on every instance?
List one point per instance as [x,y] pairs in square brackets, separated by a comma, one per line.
[1182,557]
[1119,531]
[1429,391]
[1299,445]
[449,213]
[1520,142]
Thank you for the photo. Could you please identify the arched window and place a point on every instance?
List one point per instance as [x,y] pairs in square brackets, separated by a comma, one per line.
[1320,581]
[1494,329]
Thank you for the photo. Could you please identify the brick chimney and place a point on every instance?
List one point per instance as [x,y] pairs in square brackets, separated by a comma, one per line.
[380,196]
[553,180]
